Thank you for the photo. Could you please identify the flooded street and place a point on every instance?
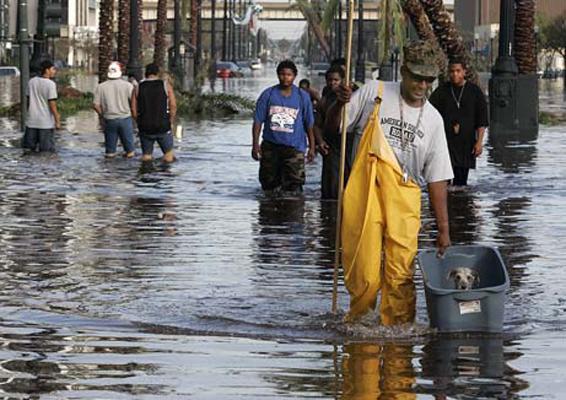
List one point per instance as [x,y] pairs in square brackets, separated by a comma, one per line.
[119,281]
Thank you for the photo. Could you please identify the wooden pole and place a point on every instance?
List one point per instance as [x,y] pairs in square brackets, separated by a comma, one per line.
[337,247]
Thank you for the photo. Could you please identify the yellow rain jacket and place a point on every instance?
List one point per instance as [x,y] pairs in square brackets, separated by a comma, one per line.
[381,221]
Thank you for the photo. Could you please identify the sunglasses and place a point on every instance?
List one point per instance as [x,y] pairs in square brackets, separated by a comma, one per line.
[420,78]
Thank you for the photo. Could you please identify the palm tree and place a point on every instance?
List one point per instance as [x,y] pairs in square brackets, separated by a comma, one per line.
[447,35]
[416,13]
[319,15]
[123,30]
[525,43]
[160,46]
[391,28]
[105,37]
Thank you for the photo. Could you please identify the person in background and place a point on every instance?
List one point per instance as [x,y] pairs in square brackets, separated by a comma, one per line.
[305,84]
[287,117]
[463,108]
[115,103]
[157,110]
[329,142]
[43,117]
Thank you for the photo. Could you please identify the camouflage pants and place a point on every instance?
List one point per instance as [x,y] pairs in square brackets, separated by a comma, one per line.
[281,167]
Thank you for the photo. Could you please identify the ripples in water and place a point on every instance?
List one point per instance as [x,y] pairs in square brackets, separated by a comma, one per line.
[126,281]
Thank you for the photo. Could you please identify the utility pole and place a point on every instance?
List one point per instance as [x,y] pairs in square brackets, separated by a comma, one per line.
[39,39]
[23,39]
[198,55]
[134,66]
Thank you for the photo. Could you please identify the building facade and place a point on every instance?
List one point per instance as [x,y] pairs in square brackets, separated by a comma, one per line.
[478,22]
[71,27]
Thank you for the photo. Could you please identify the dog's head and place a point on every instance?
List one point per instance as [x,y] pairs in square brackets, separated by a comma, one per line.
[464,278]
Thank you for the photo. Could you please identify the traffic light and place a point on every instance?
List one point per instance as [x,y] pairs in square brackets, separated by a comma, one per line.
[55,17]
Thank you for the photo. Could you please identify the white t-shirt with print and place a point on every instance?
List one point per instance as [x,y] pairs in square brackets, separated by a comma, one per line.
[426,156]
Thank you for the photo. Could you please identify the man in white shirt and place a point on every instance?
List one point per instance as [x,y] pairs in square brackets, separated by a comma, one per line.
[115,103]
[399,147]
[43,117]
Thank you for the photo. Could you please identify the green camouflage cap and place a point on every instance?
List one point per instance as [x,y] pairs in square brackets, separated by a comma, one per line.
[420,58]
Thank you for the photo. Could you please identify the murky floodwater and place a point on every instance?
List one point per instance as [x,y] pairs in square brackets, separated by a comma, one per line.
[123,282]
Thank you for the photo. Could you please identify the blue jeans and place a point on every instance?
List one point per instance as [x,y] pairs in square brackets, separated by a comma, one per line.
[122,128]
[164,140]
[42,138]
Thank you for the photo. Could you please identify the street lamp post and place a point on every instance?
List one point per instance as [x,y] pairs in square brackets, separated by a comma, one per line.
[39,40]
[213,31]
[134,66]
[23,38]
[513,98]
[224,30]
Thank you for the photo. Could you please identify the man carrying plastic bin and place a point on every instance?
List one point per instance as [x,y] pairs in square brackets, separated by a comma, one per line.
[399,146]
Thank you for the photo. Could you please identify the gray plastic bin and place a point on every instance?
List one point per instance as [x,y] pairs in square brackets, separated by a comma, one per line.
[476,310]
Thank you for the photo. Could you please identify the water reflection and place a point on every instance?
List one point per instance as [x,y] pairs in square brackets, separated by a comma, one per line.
[470,367]
[34,371]
[378,371]
[512,154]
[281,231]
[464,216]
[512,237]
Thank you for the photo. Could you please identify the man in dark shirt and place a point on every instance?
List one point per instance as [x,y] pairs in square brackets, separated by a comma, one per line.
[464,111]
[156,112]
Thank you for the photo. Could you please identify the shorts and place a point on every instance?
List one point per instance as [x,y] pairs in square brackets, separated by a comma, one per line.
[164,140]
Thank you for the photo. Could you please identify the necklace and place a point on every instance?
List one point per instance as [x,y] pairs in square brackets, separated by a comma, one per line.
[459,99]
[405,137]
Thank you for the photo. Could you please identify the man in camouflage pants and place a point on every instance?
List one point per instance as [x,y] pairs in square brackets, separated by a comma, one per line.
[285,111]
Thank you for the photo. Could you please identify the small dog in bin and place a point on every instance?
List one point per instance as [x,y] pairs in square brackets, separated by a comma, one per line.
[464,278]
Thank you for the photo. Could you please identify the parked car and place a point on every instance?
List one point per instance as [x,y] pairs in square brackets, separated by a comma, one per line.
[244,66]
[9,71]
[319,68]
[228,69]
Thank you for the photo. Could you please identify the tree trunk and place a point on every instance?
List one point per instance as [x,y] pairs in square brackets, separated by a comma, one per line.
[525,43]
[161,25]
[105,41]
[416,13]
[123,30]
[447,35]
[315,23]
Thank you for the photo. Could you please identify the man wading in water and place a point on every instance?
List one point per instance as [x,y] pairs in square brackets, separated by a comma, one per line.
[400,144]
[464,110]
[285,111]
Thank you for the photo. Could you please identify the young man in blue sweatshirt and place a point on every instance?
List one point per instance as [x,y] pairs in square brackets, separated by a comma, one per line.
[286,113]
